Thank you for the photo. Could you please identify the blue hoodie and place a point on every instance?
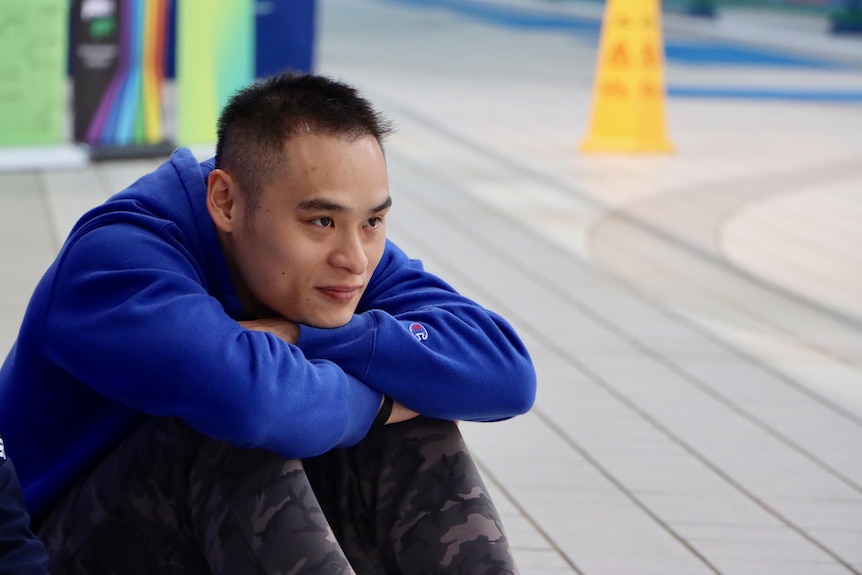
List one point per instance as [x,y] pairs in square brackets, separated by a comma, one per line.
[137,317]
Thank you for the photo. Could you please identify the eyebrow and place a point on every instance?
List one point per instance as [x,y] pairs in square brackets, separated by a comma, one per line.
[386,203]
[321,205]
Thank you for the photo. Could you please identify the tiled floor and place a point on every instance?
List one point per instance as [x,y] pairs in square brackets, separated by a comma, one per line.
[695,318]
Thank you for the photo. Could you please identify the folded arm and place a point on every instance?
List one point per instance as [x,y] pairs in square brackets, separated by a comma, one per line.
[138,326]
[433,350]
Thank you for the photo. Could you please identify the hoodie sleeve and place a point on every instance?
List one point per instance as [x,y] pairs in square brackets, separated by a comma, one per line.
[129,316]
[428,347]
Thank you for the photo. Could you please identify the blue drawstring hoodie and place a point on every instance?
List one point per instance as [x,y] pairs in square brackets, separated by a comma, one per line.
[137,317]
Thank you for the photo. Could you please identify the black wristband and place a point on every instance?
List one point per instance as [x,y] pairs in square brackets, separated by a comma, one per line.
[383,413]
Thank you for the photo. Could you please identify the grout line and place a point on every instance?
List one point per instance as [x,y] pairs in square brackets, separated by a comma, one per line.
[493,249]
[50,215]
[485,470]
[603,384]
[514,165]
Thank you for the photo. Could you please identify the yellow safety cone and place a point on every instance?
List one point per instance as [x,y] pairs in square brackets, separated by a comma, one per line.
[629,92]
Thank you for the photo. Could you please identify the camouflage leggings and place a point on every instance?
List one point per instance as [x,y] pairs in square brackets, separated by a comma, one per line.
[407,499]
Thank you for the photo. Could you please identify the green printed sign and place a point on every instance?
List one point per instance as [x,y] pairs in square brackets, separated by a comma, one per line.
[33,40]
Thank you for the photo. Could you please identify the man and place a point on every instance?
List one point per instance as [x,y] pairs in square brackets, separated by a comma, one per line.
[214,356]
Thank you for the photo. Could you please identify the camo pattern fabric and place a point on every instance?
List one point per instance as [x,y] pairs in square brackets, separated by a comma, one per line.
[413,503]
[407,499]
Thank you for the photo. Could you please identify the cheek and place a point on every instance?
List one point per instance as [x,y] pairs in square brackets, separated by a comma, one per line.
[375,255]
[295,267]
[268,263]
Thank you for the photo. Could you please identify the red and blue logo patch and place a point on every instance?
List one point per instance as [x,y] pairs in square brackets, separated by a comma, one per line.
[419,332]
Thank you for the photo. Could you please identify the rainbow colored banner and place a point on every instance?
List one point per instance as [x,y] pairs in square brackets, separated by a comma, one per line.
[130,111]
[123,40]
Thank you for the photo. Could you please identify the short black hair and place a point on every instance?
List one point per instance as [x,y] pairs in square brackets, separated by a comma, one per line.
[257,121]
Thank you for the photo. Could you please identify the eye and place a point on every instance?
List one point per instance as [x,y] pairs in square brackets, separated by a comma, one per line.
[374,222]
[323,222]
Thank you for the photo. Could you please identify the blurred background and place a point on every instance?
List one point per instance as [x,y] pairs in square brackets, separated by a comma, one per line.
[153,73]
[664,199]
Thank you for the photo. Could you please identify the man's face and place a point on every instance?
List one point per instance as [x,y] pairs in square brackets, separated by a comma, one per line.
[309,248]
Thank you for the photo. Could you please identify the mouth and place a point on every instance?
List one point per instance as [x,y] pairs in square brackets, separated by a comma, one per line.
[340,294]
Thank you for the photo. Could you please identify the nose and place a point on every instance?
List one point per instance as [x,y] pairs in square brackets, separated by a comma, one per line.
[349,253]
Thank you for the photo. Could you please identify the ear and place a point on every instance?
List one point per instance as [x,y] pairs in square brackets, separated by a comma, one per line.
[221,199]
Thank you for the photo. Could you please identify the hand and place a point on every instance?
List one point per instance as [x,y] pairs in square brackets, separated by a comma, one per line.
[283,328]
[400,413]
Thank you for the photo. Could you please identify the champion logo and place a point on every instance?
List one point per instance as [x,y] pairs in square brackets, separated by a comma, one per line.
[419,332]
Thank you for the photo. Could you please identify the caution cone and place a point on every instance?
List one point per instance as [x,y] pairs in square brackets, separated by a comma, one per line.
[628,95]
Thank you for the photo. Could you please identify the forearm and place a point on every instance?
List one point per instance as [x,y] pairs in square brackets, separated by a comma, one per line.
[463,370]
